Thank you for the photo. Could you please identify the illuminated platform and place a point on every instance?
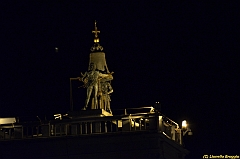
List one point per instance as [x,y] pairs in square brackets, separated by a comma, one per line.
[143,135]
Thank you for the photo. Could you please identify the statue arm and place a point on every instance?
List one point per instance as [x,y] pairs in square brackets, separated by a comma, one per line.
[110,91]
[110,88]
[106,77]
[102,75]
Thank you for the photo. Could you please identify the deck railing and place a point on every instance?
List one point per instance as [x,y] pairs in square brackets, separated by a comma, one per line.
[95,125]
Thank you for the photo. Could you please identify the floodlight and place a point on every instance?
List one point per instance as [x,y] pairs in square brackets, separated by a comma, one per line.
[184,124]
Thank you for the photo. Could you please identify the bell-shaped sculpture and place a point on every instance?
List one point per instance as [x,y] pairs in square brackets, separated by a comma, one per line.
[98,58]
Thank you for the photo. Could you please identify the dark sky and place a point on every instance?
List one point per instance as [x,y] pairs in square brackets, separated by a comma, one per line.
[183,54]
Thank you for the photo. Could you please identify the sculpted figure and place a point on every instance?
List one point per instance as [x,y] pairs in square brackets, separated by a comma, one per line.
[91,82]
[105,99]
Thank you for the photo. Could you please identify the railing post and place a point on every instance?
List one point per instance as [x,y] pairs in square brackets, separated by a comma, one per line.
[66,127]
[55,130]
[90,128]
[173,132]
[37,130]
[105,126]
[179,131]
[160,123]
[140,124]
[135,124]
[117,125]
[80,128]
[85,127]
[49,129]
[145,124]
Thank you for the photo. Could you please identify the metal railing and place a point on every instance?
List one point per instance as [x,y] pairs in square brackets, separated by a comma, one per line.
[97,125]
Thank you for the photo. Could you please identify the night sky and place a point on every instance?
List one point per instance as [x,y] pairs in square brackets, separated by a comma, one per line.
[182,54]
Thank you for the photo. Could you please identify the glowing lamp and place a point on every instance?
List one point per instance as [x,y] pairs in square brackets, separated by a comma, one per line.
[184,124]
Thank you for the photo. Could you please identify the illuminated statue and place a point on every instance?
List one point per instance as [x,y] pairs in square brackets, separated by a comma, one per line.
[105,99]
[91,82]
[97,78]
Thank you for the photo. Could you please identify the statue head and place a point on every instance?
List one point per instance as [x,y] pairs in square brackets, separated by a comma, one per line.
[92,67]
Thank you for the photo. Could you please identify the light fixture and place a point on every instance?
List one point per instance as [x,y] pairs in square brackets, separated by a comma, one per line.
[184,124]
[186,129]
[58,116]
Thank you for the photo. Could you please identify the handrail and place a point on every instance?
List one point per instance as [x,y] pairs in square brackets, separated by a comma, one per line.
[81,126]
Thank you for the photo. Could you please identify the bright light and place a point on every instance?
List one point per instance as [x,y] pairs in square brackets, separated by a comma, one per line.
[184,124]
[58,116]
[56,49]
[152,110]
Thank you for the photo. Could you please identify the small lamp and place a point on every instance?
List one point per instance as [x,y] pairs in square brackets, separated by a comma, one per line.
[186,129]
[184,124]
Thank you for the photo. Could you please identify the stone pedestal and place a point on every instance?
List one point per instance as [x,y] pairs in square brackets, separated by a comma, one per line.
[88,113]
